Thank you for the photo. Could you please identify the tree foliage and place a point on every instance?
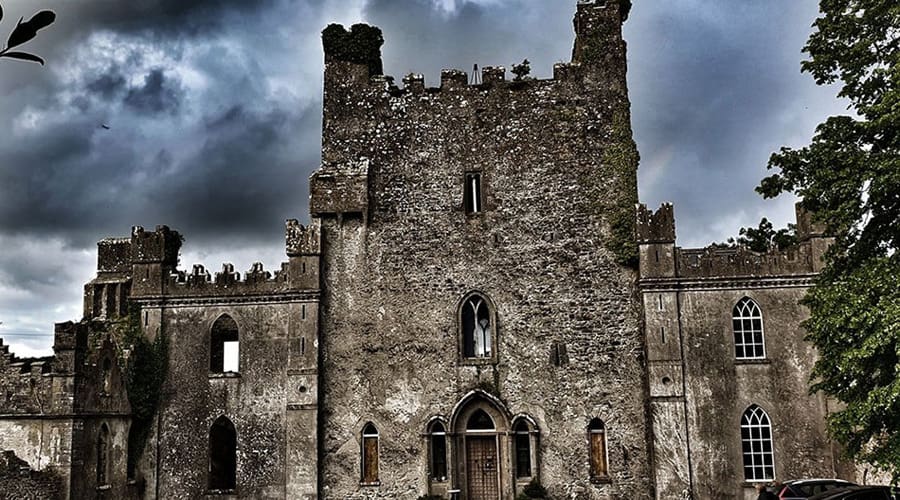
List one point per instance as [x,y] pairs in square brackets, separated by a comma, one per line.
[361,45]
[25,31]
[849,177]
[765,237]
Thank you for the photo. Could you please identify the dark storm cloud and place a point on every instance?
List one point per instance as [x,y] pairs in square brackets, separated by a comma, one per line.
[107,85]
[158,94]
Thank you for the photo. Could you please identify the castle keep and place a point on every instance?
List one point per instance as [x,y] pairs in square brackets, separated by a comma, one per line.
[473,307]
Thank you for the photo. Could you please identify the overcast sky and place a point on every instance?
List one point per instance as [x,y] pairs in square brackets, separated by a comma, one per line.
[214,115]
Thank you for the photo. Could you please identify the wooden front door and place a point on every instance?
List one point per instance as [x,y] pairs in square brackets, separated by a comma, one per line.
[482,473]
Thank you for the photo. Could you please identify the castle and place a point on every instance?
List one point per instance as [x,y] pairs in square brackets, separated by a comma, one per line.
[474,307]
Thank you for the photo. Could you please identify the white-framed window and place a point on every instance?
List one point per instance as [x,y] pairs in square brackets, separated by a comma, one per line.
[747,322]
[756,445]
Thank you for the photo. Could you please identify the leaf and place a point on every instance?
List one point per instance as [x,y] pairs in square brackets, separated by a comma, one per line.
[24,56]
[42,19]
[20,34]
[24,32]
[1,12]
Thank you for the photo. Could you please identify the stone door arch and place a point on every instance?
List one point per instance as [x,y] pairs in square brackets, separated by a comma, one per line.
[482,458]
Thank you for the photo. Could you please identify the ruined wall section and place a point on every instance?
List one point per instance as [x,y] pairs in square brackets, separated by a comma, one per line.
[53,408]
[271,400]
[700,389]
[400,256]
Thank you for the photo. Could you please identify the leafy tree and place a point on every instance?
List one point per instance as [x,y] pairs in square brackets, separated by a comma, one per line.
[521,70]
[765,237]
[849,176]
[25,31]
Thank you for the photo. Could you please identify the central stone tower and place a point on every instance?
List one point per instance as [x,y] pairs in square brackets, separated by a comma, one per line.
[479,326]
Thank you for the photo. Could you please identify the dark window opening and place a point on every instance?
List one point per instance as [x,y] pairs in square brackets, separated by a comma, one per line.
[476,323]
[523,450]
[558,354]
[438,452]
[223,346]
[303,311]
[662,334]
[597,434]
[472,195]
[103,456]
[222,455]
[480,421]
[370,454]
[302,345]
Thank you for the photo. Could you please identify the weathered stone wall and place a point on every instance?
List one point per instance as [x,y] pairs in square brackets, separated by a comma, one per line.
[699,390]
[399,258]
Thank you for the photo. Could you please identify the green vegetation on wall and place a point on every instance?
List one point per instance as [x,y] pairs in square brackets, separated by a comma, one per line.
[145,373]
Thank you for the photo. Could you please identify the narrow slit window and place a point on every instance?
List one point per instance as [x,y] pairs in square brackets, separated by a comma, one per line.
[523,449]
[597,436]
[370,454]
[472,195]
[303,311]
[660,302]
[438,438]
[662,334]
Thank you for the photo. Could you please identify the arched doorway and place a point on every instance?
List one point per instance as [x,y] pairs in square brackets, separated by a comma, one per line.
[482,460]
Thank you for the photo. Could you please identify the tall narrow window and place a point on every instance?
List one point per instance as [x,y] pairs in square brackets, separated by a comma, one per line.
[597,435]
[472,195]
[224,346]
[477,329]
[107,374]
[749,342]
[438,441]
[523,449]
[370,454]
[103,455]
[756,444]
[222,455]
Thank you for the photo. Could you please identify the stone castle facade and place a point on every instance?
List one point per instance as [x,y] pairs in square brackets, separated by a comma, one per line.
[474,307]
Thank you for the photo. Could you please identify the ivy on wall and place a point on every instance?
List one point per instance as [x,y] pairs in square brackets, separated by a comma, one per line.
[361,45]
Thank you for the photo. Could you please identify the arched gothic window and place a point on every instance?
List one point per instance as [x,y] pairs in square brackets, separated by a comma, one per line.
[437,435]
[477,325]
[756,445]
[749,342]
[222,455]
[224,346]
[369,454]
[480,421]
[523,445]
[597,436]
[103,455]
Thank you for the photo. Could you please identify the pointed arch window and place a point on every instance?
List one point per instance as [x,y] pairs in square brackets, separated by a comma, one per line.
[597,437]
[477,328]
[369,454]
[749,342]
[107,375]
[524,447]
[224,347]
[756,445]
[103,455]
[222,455]
[437,436]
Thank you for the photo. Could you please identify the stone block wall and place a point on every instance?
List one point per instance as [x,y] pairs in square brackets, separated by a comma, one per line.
[556,168]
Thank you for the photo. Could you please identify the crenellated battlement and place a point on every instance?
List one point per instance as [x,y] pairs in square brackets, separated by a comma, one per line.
[656,227]
[159,246]
[660,258]
[303,240]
